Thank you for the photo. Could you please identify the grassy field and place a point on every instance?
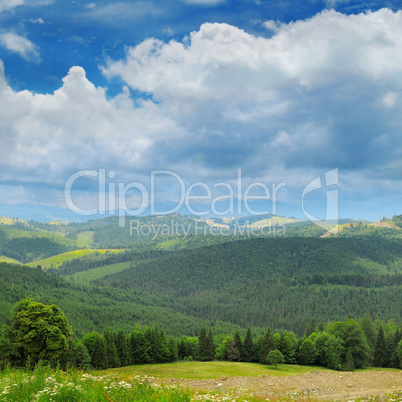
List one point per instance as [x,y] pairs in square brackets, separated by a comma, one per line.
[97,273]
[3,258]
[209,370]
[85,239]
[58,259]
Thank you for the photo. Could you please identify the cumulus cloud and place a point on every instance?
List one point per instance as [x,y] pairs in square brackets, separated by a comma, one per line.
[319,94]
[323,81]
[204,2]
[21,45]
[8,4]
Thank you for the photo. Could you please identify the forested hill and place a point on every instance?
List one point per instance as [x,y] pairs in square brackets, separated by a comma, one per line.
[280,282]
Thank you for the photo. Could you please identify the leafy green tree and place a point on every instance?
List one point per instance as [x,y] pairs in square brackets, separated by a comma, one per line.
[248,347]
[288,347]
[353,340]
[37,332]
[307,353]
[275,357]
[380,350]
[267,345]
[349,364]
[334,352]
[77,356]
[368,328]
[97,349]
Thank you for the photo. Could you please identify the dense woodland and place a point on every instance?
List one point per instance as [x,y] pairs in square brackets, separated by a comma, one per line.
[224,283]
[37,332]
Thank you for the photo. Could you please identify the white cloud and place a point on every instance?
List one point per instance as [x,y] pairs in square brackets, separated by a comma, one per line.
[271,24]
[37,21]
[8,4]
[204,2]
[18,44]
[319,94]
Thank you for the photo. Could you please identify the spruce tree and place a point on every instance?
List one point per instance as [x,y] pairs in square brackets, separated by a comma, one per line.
[368,328]
[267,345]
[99,359]
[211,346]
[248,347]
[203,346]
[311,327]
[112,355]
[380,349]
[395,363]
[139,348]
[164,353]
[122,348]
[238,344]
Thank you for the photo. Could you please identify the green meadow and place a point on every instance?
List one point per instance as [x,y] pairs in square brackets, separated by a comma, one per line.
[56,260]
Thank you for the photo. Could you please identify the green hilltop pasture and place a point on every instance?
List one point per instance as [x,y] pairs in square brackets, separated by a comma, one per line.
[3,258]
[97,273]
[56,260]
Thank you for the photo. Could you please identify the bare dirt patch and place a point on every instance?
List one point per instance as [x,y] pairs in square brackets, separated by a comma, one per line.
[341,386]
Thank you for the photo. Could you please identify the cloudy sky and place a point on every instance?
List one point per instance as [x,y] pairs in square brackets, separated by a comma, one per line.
[283,90]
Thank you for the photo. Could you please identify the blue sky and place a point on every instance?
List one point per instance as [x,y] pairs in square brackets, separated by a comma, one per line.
[285,91]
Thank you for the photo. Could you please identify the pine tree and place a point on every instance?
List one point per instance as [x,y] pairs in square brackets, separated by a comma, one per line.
[368,328]
[311,327]
[99,359]
[112,355]
[139,348]
[238,344]
[248,347]
[267,345]
[232,352]
[380,349]
[203,346]
[121,346]
[395,363]
[211,346]
[164,353]
[174,356]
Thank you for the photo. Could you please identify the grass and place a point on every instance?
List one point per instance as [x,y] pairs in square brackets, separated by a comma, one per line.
[3,258]
[58,259]
[210,370]
[45,384]
[85,239]
[97,273]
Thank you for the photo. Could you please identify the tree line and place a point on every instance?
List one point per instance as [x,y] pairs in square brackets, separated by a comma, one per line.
[37,332]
